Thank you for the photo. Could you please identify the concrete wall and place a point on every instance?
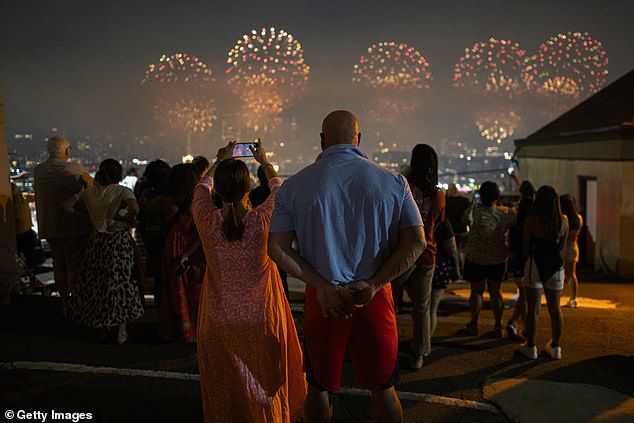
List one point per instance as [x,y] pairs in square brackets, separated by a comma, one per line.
[611,237]
[625,265]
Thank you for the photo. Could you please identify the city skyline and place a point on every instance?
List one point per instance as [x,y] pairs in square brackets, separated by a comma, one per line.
[77,66]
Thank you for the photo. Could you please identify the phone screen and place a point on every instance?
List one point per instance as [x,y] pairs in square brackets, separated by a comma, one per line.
[241,149]
[476,198]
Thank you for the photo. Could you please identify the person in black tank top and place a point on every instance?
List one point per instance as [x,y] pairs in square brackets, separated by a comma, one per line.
[545,233]
[546,253]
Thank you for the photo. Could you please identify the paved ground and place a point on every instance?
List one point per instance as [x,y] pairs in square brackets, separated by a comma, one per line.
[48,364]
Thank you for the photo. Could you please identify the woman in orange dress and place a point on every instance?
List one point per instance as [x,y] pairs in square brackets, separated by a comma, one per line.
[249,356]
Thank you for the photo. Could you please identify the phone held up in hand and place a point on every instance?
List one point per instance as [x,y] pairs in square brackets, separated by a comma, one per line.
[476,198]
[241,149]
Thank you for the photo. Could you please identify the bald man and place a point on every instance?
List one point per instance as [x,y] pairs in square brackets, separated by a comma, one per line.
[57,179]
[357,227]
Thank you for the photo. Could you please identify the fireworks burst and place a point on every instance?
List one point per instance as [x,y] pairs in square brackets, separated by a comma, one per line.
[178,67]
[181,92]
[569,65]
[262,108]
[493,66]
[387,109]
[268,71]
[394,66]
[267,58]
[497,125]
[397,75]
[189,114]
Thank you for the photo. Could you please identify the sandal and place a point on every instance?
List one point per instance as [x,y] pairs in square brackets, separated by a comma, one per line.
[122,338]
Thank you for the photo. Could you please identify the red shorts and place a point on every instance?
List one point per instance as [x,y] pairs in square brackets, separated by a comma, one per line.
[370,334]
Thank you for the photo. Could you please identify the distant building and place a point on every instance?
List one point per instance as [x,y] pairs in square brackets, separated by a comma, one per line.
[589,152]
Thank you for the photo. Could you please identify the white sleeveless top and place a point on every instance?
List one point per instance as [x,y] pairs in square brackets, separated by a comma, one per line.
[103,204]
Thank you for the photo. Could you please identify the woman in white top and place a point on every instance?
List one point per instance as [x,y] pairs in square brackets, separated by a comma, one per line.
[108,294]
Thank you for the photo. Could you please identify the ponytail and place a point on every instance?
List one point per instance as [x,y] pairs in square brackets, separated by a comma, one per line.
[231,181]
[232,224]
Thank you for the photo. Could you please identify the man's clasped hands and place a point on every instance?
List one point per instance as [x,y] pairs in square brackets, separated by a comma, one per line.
[340,300]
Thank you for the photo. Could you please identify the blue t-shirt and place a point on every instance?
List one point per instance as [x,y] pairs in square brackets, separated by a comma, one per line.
[346,212]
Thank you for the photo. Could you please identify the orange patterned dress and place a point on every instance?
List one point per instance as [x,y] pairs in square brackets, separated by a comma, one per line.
[249,356]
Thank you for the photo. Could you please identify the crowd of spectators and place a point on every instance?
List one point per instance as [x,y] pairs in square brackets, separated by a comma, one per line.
[217,252]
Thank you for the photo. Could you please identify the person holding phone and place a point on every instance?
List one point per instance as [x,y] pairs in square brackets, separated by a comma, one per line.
[250,359]
[245,149]
[477,199]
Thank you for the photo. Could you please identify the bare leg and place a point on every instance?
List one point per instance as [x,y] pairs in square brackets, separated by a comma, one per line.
[386,407]
[519,313]
[533,300]
[122,334]
[554,310]
[570,270]
[475,300]
[317,406]
[436,296]
[497,304]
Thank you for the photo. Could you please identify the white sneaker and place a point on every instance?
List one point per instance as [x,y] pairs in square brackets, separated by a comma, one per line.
[528,352]
[572,303]
[553,352]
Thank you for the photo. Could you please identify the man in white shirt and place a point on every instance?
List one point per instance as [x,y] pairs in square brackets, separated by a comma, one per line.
[57,179]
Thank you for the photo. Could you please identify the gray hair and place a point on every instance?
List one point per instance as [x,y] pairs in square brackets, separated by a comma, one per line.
[56,145]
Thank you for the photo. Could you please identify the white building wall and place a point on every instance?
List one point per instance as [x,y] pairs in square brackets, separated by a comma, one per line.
[564,175]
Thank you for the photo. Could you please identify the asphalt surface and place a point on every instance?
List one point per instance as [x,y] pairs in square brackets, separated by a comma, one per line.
[48,364]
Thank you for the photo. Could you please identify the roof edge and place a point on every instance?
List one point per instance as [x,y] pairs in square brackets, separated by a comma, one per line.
[624,130]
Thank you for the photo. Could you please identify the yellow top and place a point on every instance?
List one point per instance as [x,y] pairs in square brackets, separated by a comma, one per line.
[22,212]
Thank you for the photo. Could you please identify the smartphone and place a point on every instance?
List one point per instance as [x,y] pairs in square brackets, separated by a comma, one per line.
[476,198]
[241,149]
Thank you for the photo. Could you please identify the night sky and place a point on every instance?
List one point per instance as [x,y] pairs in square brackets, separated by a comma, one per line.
[77,65]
